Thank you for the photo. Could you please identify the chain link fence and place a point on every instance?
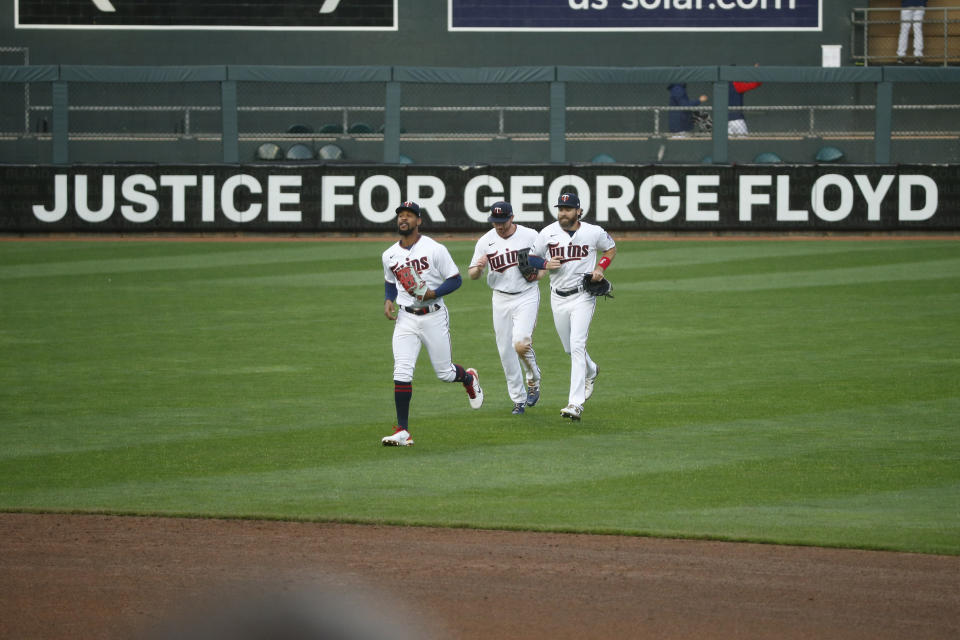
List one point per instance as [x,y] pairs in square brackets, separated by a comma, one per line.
[120,121]
[475,123]
[299,121]
[451,122]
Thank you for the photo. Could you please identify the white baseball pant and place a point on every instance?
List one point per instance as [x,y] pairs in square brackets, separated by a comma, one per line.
[431,329]
[572,316]
[911,18]
[514,319]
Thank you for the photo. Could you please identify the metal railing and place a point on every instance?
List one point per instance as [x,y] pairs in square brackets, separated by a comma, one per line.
[873,38]
[499,129]
[867,106]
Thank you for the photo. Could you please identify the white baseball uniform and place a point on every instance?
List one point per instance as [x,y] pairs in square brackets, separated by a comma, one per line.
[572,307]
[515,305]
[418,322]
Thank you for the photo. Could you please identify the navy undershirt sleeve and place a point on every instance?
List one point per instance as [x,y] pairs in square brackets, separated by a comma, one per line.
[537,262]
[389,290]
[449,285]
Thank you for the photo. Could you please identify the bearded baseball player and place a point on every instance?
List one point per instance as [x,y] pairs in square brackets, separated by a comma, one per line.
[516,300]
[426,273]
[569,249]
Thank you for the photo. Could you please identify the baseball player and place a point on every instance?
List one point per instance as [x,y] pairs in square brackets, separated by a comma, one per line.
[568,249]
[516,301]
[422,317]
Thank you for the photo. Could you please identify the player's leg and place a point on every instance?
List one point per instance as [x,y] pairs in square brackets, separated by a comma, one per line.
[525,313]
[561,319]
[580,317]
[406,348]
[504,330]
[905,23]
[918,33]
[562,308]
[435,334]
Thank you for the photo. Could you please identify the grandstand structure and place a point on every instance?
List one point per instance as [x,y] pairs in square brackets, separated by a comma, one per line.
[225,95]
[445,115]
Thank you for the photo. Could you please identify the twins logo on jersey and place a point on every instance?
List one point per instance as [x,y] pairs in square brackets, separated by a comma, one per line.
[500,262]
[569,252]
[420,264]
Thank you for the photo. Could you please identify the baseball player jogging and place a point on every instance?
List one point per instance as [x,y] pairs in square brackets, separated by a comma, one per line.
[426,273]
[516,300]
[569,248]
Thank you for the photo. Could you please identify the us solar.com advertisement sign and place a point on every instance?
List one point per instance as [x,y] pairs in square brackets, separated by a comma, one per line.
[285,15]
[635,15]
[353,198]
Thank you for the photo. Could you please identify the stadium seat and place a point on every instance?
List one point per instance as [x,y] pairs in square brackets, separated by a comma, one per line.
[299,152]
[405,159]
[767,157]
[602,157]
[383,128]
[330,152]
[331,128]
[300,128]
[359,127]
[829,154]
[269,151]
[707,160]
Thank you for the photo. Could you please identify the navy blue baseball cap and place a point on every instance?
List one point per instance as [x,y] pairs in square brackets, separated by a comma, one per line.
[568,200]
[500,212]
[411,206]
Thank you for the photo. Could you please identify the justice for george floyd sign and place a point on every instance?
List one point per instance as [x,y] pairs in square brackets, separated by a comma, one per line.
[354,198]
[635,15]
[289,15]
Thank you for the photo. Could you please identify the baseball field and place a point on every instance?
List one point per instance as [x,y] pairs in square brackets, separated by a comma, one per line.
[794,391]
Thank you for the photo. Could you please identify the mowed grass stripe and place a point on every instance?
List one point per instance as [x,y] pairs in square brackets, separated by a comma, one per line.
[254,380]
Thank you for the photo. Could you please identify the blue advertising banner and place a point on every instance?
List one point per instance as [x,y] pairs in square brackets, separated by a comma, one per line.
[635,15]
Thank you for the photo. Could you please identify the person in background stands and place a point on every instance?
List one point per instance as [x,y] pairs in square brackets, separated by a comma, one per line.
[911,14]
[736,122]
[681,120]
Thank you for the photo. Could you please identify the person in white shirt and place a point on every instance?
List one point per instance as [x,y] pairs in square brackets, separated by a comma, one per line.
[515,304]
[420,320]
[569,249]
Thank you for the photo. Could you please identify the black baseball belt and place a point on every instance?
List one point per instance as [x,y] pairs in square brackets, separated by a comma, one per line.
[421,311]
[568,292]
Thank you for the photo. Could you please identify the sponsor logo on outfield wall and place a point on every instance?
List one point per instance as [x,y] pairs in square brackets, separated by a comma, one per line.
[289,15]
[635,15]
[363,198]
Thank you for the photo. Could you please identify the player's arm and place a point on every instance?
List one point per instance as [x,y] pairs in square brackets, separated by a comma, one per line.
[390,300]
[476,269]
[449,285]
[605,259]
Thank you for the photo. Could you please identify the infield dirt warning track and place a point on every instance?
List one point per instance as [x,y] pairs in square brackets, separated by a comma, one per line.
[93,576]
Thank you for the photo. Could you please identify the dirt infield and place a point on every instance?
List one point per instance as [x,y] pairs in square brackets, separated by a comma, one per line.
[76,576]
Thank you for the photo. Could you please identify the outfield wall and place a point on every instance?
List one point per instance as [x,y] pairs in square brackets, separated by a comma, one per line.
[297,198]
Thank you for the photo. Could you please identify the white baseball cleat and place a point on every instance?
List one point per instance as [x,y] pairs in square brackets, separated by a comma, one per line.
[474,392]
[589,383]
[400,438]
[571,411]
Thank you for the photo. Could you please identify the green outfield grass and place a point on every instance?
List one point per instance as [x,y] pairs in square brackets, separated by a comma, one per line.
[790,391]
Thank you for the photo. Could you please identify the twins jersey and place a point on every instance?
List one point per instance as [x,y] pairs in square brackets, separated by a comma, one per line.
[577,253]
[502,258]
[430,259]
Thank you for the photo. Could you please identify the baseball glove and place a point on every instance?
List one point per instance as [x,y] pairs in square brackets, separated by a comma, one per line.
[601,287]
[411,281]
[527,270]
